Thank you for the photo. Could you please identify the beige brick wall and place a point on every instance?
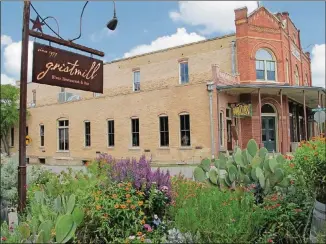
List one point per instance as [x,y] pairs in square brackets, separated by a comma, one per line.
[160,93]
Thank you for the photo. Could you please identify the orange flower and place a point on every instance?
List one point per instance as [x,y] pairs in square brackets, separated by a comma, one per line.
[127,188]
[128,201]
[128,195]
[114,196]
[132,206]
[98,207]
[129,184]
[139,233]
[116,206]
[105,216]
[123,206]
[140,203]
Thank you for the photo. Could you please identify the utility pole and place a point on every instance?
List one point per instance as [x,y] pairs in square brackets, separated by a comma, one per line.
[22,108]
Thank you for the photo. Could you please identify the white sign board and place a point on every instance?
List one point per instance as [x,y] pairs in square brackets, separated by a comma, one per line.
[319,117]
[295,52]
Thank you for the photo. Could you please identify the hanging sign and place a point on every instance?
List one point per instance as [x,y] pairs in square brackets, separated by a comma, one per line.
[57,67]
[242,110]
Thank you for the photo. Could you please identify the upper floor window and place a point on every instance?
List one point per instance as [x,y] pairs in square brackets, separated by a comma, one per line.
[42,135]
[63,135]
[136,80]
[296,75]
[265,65]
[184,72]
[306,83]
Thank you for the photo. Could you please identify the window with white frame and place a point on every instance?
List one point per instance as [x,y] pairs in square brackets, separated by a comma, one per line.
[63,135]
[185,130]
[296,76]
[265,65]
[135,132]
[221,129]
[42,135]
[87,125]
[164,131]
[287,72]
[12,137]
[110,133]
[184,72]
[136,80]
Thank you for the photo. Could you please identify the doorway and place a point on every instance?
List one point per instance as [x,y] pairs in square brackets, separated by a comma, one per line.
[269,127]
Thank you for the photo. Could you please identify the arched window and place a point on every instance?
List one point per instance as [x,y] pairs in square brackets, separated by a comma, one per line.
[267,108]
[265,65]
[296,76]
[306,80]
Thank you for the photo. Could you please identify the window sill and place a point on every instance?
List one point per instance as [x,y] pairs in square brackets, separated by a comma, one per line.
[163,148]
[41,147]
[137,91]
[62,151]
[110,148]
[134,148]
[183,84]
[185,148]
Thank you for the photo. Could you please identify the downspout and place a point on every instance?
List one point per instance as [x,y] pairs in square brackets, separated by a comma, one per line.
[233,59]
[210,88]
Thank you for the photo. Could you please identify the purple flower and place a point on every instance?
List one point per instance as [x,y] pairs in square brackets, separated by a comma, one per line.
[147,227]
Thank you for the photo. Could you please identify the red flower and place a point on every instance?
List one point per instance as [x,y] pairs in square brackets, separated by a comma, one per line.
[3,238]
[270,241]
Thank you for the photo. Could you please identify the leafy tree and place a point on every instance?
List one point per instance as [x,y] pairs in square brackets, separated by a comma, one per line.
[9,97]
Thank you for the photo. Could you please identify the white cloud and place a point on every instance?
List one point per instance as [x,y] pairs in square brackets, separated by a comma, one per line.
[210,15]
[318,65]
[179,38]
[5,80]
[12,59]
[100,35]
[5,40]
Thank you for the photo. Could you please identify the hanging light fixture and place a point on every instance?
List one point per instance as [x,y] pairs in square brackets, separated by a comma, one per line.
[112,24]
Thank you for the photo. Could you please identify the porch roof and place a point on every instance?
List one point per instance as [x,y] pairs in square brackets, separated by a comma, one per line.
[295,93]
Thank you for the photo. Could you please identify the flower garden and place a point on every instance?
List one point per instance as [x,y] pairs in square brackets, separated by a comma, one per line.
[249,197]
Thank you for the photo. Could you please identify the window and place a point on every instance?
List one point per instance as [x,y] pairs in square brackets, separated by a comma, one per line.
[185,130]
[135,132]
[42,135]
[287,72]
[87,133]
[110,133]
[221,129]
[26,130]
[296,76]
[164,131]
[12,137]
[306,80]
[184,73]
[63,135]
[136,80]
[265,66]
[34,96]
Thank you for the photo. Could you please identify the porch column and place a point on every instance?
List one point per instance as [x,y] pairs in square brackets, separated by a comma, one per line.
[218,122]
[259,114]
[305,116]
[282,130]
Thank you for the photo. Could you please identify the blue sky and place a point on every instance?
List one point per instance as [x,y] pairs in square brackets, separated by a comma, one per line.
[141,23]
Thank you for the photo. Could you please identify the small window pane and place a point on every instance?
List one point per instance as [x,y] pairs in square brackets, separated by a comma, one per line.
[184,73]
[111,133]
[271,75]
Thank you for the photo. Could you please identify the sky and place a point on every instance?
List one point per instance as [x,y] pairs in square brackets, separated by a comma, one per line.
[151,25]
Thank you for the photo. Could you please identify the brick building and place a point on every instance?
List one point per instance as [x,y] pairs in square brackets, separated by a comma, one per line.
[185,102]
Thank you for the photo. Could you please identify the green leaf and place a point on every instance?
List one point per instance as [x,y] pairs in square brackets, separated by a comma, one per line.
[63,227]
[238,157]
[213,176]
[24,230]
[78,215]
[70,234]
[199,174]
[272,164]
[256,161]
[252,147]
[71,204]
[253,175]
[205,164]
[262,152]
[46,227]
[280,159]
[247,180]
[40,237]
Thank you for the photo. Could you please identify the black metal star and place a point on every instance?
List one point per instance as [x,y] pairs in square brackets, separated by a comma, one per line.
[37,24]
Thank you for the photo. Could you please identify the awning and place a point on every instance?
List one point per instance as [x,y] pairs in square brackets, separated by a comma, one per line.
[295,93]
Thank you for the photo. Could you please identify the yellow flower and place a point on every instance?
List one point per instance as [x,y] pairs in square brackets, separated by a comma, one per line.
[129,184]
[140,193]
[139,233]
[142,239]
[53,232]
[140,203]
[142,222]
[116,206]
[123,206]
[98,207]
